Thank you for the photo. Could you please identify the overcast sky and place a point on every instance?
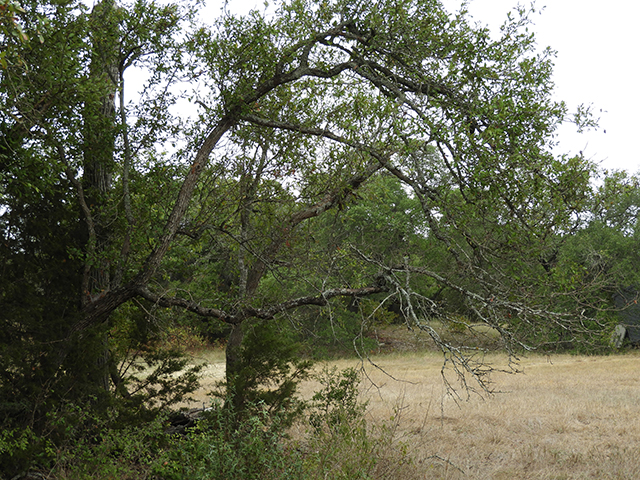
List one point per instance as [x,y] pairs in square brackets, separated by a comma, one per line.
[597,63]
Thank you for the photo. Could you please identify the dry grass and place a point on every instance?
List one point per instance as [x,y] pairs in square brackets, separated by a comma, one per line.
[564,417]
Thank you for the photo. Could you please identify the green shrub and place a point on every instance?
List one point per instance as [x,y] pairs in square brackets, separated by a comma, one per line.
[218,449]
[338,444]
[268,373]
[123,453]
[336,403]
[341,445]
[20,448]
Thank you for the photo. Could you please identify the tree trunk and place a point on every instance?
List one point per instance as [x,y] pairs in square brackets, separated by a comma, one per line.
[236,399]
[99,164]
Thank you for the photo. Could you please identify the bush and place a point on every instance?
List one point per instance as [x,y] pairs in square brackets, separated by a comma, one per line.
[336,404]
[268,373]
[125,453]
[341,445]
[219,449]
[338,444]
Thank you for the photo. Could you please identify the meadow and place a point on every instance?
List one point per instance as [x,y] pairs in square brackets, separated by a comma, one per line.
[561,417]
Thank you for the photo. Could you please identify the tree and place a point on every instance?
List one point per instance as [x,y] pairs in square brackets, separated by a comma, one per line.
[602,254]
[296,110]
[61,190]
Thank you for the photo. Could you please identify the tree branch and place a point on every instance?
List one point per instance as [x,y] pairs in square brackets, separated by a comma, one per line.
[320,300]
[88,218]
[263,313]
[188,305]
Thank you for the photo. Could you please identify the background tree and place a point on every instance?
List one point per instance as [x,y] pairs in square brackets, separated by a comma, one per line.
[602,254]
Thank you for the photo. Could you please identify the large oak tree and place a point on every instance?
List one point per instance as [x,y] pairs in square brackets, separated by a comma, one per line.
[247,131]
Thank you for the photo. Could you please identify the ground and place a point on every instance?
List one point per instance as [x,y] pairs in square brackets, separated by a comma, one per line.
[562,417]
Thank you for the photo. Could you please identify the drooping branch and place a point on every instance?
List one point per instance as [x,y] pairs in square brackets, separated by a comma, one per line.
[417,309]
[495,300]
[266,313]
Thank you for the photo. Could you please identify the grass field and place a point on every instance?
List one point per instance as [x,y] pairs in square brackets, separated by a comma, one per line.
[563,417]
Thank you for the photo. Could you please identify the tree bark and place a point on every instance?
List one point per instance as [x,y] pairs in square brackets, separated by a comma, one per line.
[99,163]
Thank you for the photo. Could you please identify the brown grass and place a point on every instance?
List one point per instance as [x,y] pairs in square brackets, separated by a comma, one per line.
[564,417]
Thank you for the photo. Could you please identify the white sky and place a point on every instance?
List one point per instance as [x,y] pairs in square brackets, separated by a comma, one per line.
[597,63]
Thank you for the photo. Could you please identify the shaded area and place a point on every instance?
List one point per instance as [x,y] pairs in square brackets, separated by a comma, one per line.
[627,302]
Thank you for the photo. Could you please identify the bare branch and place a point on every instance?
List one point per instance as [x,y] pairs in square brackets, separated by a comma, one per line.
[320,300]
[186,304]
[262,313]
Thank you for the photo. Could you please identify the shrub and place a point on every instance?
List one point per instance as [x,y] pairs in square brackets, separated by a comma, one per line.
[341,445]
[268,373]
[220,449]
[338,444]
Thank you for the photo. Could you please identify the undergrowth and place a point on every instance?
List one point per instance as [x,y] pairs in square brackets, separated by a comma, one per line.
[337,442]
